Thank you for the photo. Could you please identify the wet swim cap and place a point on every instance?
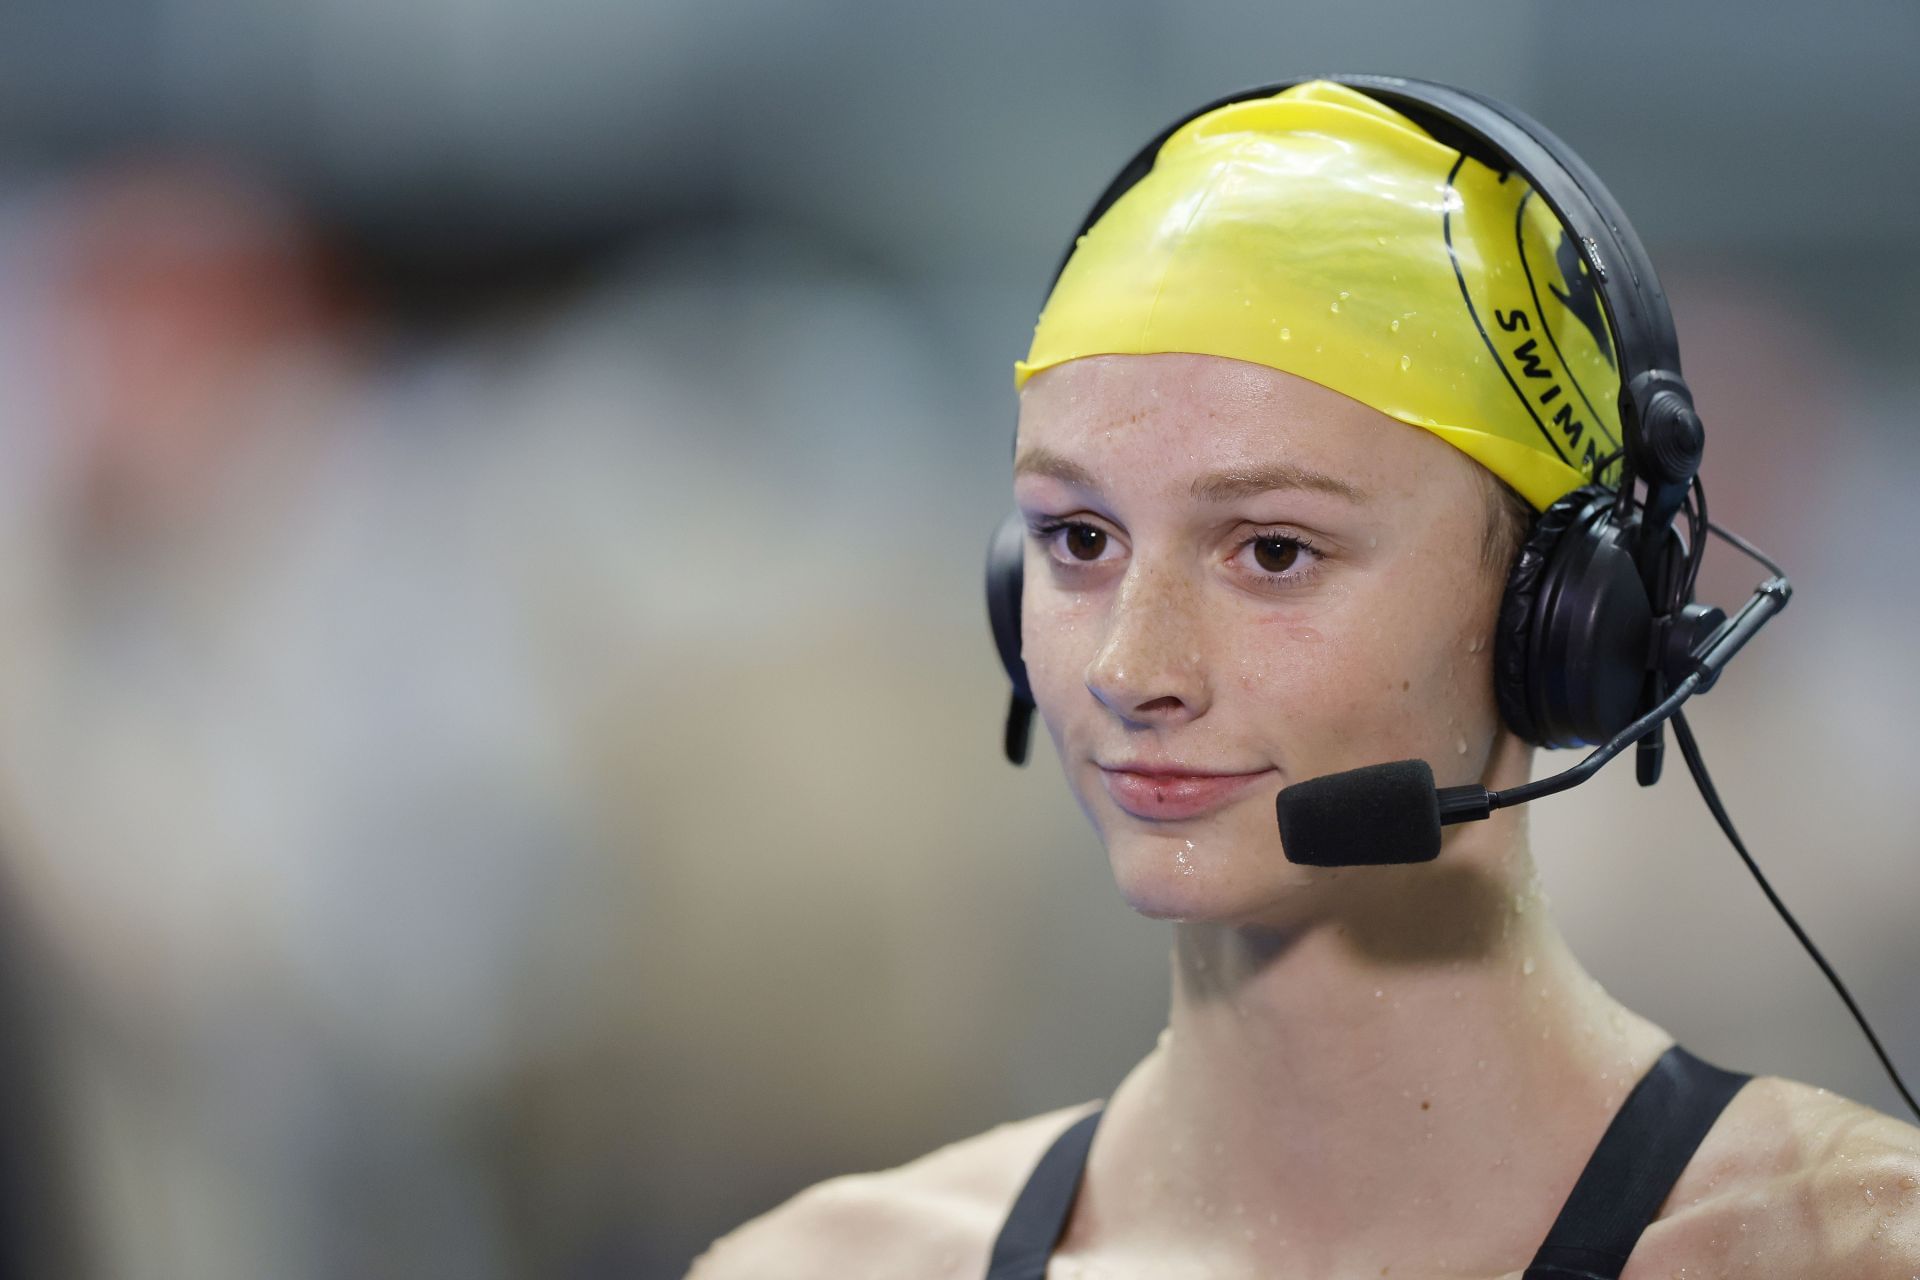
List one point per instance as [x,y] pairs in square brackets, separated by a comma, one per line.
[1321,232]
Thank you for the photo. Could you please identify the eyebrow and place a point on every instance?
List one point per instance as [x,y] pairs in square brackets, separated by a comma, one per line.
[1218,486]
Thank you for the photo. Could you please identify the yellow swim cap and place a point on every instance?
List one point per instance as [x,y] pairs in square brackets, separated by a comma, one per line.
[1325,234]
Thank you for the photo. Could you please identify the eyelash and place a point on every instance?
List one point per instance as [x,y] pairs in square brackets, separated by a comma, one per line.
[1046,529]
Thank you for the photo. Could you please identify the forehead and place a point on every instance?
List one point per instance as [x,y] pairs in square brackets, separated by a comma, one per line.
[1161,419]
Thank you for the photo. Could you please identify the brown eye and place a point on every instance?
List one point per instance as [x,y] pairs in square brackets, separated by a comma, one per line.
[1276,555]
[1084,537]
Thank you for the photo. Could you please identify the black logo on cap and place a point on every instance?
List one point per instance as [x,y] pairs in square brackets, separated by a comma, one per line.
[1580,299]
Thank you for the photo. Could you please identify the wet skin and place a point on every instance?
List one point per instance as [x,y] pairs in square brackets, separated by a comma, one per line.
[1366,1071]
[1169,634]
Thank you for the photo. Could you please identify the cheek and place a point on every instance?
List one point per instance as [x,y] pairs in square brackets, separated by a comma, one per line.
[1432,693]
[1292,657]
[1057,630]
[1393,674]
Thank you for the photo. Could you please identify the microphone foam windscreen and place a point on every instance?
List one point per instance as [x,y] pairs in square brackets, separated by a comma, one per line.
[1384,813]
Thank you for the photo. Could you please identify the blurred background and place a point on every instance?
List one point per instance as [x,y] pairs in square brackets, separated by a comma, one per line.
[499,739]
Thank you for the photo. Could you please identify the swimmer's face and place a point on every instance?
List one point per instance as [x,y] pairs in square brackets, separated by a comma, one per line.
[1192,617]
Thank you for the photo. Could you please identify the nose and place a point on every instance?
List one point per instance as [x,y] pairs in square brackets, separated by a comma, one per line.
[1149,667]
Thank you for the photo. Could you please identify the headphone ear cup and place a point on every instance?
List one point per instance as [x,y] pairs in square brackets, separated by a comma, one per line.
[1005,566]
[1005,569]
[1570,651]
[1513,657]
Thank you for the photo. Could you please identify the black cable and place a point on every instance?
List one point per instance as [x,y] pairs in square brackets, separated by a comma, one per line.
[1740,542]
[1698,768]
[1697,535]
[1677,589]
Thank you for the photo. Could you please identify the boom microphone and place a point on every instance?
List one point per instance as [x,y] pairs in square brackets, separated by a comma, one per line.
[1384,813]
[1392,813]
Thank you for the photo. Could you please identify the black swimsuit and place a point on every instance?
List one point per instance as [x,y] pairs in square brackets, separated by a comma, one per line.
[1629,1175]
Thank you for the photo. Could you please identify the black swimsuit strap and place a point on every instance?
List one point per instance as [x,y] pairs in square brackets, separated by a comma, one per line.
[1626,1179]
[1633,1169]
[1040,1214]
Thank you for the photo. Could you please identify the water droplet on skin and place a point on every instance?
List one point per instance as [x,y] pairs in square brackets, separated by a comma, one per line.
[1378,992]
[1286,334]
[1526,967]
[1460,746]
[1406,363]
[1334,307]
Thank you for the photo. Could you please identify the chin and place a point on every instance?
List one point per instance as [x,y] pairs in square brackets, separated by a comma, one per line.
[1162,902]
[1206,872]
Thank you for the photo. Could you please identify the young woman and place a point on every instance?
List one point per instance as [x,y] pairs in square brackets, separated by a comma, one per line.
[1273,481]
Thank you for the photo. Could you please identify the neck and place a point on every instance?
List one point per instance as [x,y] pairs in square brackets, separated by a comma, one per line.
[1416,1070]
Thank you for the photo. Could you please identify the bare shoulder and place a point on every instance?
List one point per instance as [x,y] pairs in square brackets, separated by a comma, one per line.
[1792,1181]
[934,1216]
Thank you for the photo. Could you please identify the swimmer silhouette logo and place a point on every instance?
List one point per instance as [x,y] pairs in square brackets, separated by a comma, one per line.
[1548,330]
[1580,298]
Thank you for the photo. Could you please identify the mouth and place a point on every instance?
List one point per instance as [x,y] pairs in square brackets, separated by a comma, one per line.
[1171,797]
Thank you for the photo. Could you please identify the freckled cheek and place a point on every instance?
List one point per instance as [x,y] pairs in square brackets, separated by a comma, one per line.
[1439,692]
[1351,688]
[1058,633]
[1299,677]
[1284,655]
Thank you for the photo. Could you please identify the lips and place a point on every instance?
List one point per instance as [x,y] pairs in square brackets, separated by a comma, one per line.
[1168,797]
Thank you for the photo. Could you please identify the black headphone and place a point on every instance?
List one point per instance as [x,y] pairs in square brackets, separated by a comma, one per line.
[1597,616]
